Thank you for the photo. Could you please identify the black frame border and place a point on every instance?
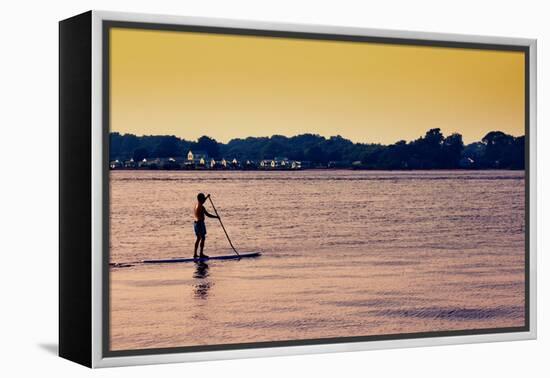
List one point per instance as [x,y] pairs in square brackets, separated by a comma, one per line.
[107,25]
[75,189]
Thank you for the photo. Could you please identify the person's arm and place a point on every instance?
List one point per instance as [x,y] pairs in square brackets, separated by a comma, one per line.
[209,215]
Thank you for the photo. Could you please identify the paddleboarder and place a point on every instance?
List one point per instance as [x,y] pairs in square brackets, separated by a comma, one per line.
[200,232]
[200,226]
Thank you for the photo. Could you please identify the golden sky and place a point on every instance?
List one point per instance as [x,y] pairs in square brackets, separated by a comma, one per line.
[224,86]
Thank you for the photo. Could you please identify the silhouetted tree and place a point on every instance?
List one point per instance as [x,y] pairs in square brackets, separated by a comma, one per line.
[167,147]
[452,150]
[426,151]
[272,149]
[498,147]
[395,156]
[518,153]
[140,154]
[315,154]
[209,145]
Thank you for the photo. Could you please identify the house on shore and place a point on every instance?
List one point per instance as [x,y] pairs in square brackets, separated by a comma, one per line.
[280,163]
[266,163]
[150,163]
[249,164]
[276,163]
[171,163]
[300,164]
[115,164]
[130,164]
[197,159]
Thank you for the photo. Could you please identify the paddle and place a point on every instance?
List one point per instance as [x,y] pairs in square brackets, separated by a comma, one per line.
[220,219]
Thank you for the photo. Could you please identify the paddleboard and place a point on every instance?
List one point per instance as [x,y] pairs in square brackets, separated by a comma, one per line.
[190,259]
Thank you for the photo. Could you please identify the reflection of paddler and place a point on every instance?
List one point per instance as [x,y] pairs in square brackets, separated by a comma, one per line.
[201,270]
[199,225]
[201,288]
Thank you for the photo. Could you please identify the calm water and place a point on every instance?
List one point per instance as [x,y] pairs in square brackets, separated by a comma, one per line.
[344,254]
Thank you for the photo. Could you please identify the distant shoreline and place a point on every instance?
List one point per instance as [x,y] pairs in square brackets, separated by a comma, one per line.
[319,169]
[434,150]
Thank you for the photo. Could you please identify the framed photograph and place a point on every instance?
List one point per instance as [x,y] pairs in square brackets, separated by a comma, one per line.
[234,189]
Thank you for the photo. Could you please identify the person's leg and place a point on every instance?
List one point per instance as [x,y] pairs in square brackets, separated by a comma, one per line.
[202,246]
[196,246]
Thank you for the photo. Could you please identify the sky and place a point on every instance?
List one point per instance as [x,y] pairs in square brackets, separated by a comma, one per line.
[227,86]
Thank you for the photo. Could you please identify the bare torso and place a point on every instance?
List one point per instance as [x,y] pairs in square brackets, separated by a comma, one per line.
[199,212]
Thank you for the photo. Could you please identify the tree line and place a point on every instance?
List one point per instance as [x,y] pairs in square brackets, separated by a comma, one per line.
[496,150]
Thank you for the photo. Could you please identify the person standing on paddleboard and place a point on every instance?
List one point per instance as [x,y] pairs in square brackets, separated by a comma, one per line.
[200,226]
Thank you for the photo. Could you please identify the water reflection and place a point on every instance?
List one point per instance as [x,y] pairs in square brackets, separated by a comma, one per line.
[203,286]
